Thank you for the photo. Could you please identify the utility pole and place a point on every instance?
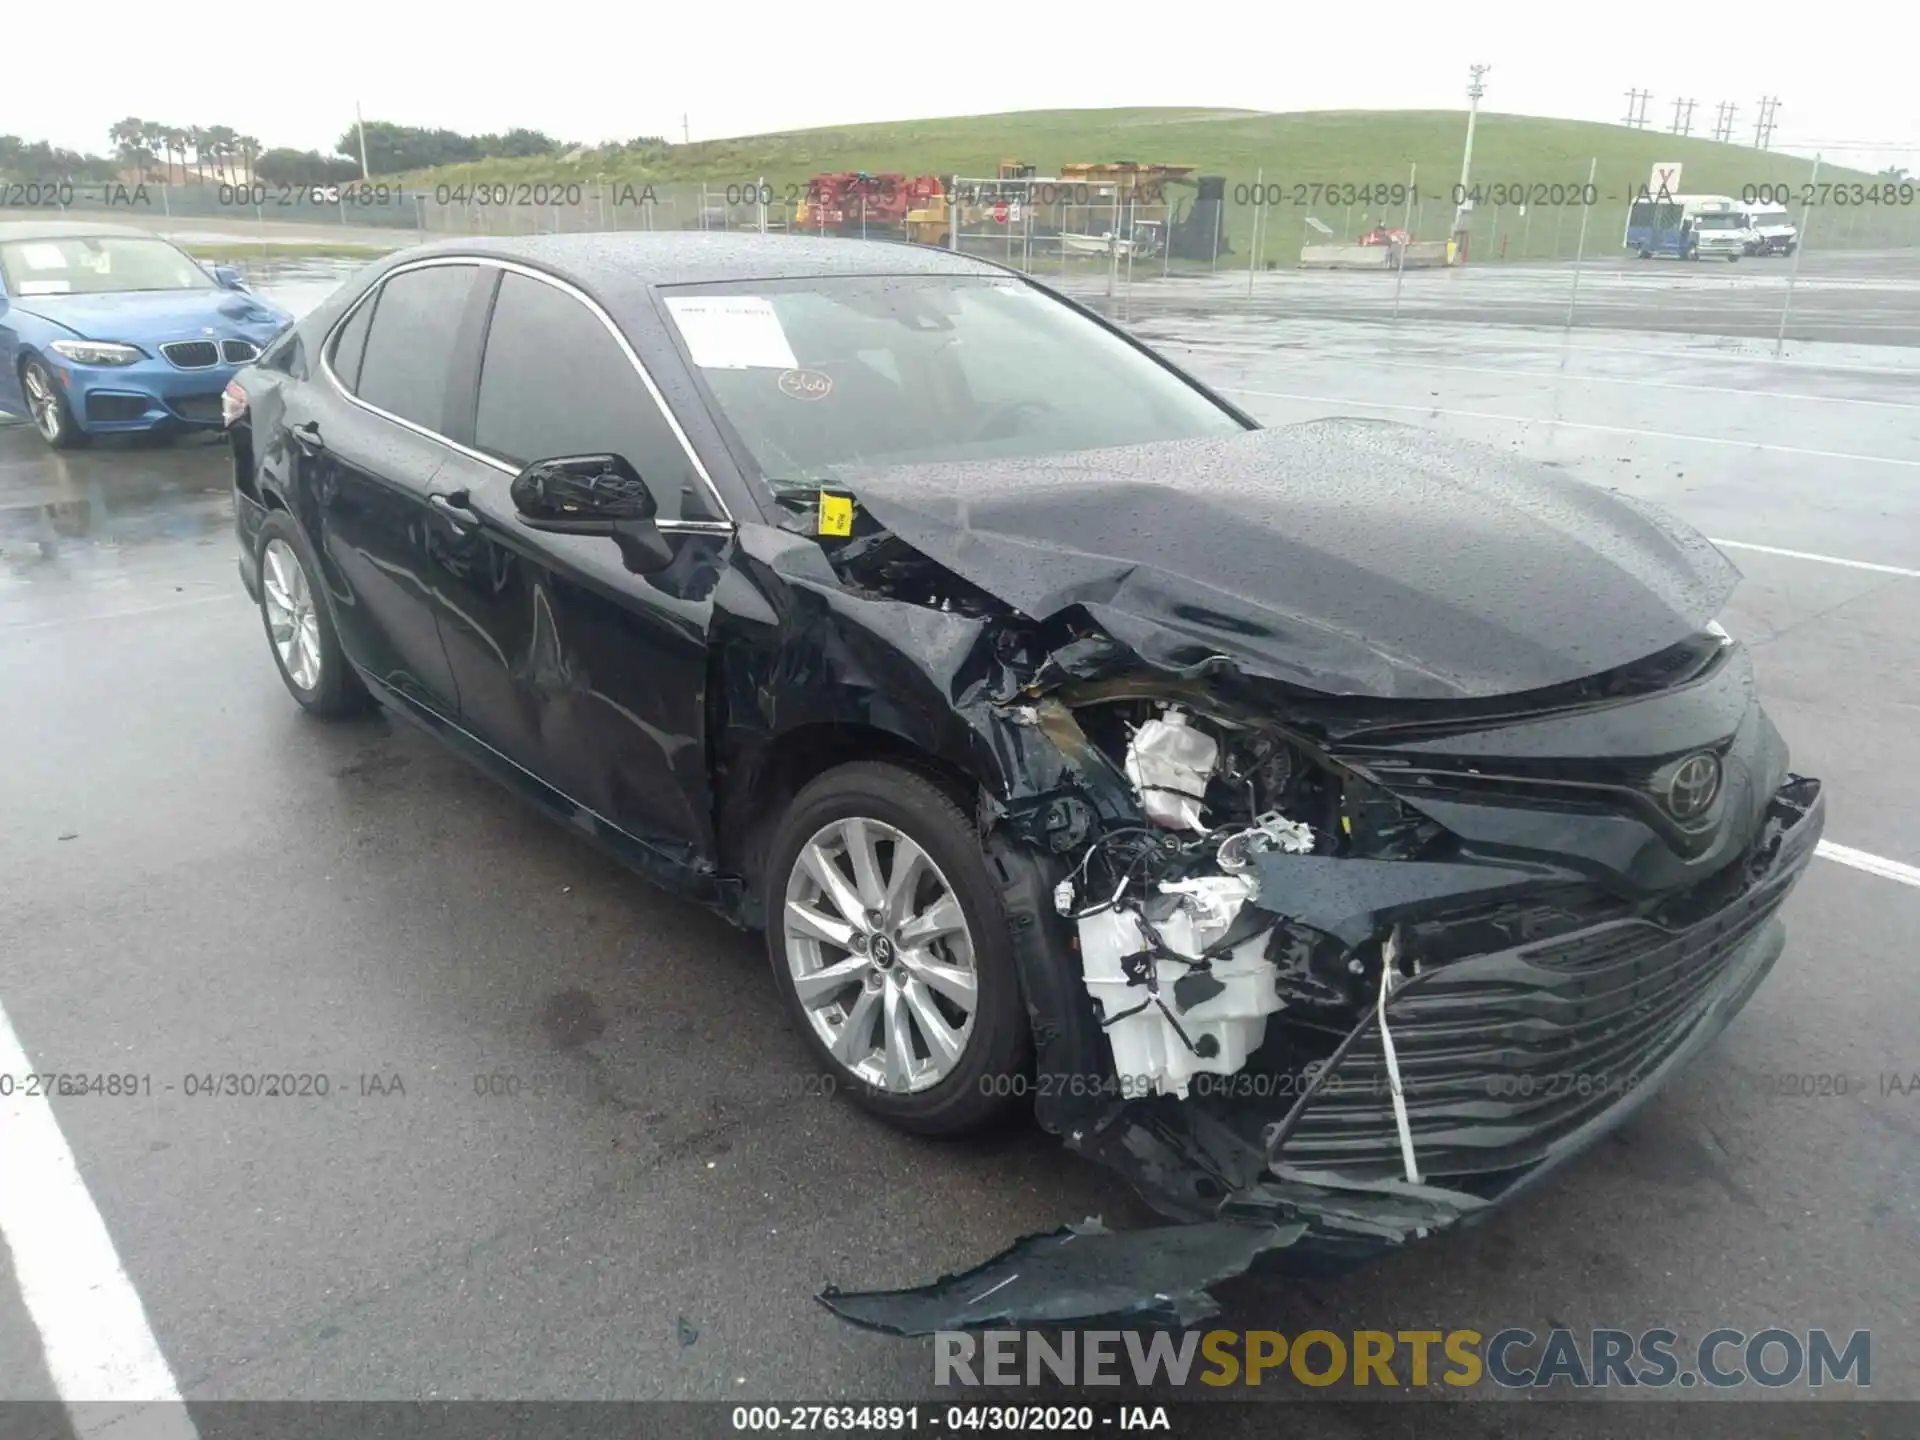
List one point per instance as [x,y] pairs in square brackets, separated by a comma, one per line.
[1637,108]
[1683,117]
[1763,127]
[361,125]
[683,127]
[1475,89]
[1723,125]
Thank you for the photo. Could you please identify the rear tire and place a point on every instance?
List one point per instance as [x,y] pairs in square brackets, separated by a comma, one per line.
[306,648]
[920,1018]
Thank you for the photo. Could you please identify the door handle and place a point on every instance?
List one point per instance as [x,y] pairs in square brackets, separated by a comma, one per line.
[454,506]
[307,436]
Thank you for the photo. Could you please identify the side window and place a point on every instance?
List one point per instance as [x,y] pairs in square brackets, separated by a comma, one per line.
[351,343]
[554,382]
[288,354]
[409,345]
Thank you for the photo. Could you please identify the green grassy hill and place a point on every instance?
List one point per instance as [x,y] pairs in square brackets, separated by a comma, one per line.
[1360,147]
[1357,146]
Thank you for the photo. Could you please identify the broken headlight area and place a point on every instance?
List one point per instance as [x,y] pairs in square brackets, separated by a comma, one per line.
[1305,1008]
[1183,963]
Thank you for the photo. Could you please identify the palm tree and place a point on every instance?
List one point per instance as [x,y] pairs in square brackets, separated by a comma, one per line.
[248,147]
[152,136]
[129,139]
[220,144]
[176,145]
[197,138]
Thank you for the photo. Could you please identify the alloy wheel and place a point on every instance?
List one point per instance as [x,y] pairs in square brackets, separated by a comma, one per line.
[42,403]
[880,954]
[291,621]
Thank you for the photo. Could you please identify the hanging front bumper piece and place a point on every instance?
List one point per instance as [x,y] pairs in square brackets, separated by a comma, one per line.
[1508,1063]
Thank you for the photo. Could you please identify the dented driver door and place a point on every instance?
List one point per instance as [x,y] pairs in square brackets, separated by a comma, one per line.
[574,669]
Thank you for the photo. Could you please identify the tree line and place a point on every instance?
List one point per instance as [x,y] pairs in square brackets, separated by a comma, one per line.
[183,154]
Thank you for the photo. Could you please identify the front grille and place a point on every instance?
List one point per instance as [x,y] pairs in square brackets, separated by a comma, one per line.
[116,407]
[1492,1049]
[191,354]
[239,352]
[197,407]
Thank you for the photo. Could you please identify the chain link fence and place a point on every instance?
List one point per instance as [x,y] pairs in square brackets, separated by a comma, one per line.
[1128,237]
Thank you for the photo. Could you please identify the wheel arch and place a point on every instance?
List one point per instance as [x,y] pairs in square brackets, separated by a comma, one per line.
[758,785]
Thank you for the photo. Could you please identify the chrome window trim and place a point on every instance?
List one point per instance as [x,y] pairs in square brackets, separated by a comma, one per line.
[716,527]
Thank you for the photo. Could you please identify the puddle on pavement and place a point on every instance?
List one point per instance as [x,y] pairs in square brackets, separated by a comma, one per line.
[298,283]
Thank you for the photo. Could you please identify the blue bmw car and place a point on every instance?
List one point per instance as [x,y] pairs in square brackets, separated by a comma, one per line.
[108,329]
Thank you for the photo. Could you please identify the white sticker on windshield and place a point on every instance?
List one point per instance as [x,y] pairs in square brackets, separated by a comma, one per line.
[46,287]
[43,257]
[732,332]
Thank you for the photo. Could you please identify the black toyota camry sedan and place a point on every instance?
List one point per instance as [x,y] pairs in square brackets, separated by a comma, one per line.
[1331,828]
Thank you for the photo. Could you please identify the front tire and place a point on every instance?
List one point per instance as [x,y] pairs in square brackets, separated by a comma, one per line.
[300,632]
[48,409]
[889,942]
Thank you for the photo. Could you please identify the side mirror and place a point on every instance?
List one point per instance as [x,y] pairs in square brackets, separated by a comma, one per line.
[594,495]
[228,277]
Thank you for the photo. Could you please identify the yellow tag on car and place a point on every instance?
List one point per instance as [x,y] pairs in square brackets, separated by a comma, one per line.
[836,514]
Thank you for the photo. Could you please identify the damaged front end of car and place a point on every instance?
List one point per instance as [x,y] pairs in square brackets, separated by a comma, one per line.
[1321,971]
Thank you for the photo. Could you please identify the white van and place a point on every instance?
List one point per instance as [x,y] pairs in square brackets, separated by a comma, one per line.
[1774,233]
[1718,226]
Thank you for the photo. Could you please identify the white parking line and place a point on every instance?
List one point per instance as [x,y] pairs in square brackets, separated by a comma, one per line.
[1575,344]
[1874,566]
[1873,864]
[105,1363]
[1344,400]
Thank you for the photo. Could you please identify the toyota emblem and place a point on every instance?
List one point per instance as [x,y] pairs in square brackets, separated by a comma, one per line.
[1692,786]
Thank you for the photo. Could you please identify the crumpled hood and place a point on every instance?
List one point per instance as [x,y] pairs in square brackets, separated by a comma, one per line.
[1351,557]
[135,315]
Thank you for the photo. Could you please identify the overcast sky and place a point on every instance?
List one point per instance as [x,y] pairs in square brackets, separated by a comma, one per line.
[290,73]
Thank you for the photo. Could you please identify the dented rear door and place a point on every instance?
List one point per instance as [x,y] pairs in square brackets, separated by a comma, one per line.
[571,667]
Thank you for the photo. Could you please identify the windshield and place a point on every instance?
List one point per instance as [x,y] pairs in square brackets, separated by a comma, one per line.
[97,265]
[819,376]
[1758,218]
[1719,222]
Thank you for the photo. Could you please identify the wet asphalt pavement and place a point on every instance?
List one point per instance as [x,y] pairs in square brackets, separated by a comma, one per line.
[1861,297]
[196,880]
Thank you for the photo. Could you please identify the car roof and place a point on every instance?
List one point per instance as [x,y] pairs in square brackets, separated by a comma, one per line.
[619,259]
[66,230]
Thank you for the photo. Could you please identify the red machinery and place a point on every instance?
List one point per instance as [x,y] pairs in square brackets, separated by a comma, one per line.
[853,200]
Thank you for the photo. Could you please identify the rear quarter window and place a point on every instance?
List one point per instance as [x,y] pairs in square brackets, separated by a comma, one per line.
[405,367]
[350,344]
